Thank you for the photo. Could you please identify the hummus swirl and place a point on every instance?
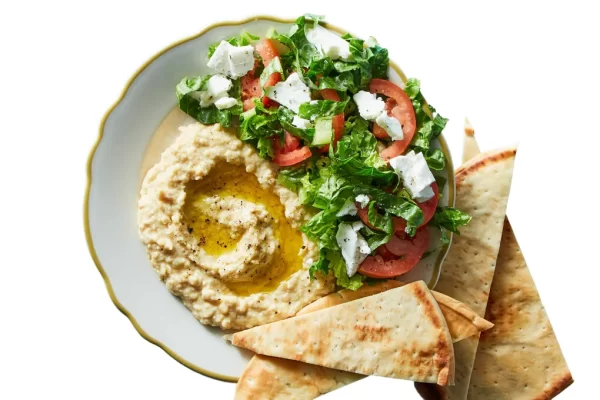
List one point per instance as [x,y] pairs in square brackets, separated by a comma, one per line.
[224,235]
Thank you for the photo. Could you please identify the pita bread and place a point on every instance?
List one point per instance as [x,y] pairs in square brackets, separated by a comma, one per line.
[520,358]
[271,378]
[277,378]
[400,333]
[462,322]
[482,189]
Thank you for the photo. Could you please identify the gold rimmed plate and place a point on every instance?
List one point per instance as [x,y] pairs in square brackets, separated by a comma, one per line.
[133,132]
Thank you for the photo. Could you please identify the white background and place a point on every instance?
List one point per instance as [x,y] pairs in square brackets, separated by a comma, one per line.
[521,72]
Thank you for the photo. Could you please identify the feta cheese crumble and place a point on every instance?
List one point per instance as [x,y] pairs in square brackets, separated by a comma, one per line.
[217,87]
[369,106]
[354,247]
[225,102]
[329,43]
[415,174]
[363,199]
[372,108]
[290,93]
[349,208]
[300,122]
[391,125]
[232,61]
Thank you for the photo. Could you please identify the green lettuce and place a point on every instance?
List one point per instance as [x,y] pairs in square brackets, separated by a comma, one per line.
[394,205]
[451,218]
[429,124]
[356,154]
[286,116]
[188,95]
[244,39]
[322,108]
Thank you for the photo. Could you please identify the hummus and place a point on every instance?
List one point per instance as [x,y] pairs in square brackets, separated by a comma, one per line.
[224,235]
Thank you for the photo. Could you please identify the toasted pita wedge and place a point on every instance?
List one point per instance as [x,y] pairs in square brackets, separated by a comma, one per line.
[482,189]
[400,333]
[520,358]
[278,378]
[462,322]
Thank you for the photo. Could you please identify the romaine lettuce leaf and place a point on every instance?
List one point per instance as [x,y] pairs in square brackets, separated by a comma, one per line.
[356,154]
[394,205]
[322,108]
[435,159]
[337,264]
[429,124]
[451,218]
[187,91]
[258,126]
[286,116]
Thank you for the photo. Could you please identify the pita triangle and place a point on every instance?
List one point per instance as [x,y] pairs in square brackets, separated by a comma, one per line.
[482,190]
[400,333]
[278,378]
[520,358]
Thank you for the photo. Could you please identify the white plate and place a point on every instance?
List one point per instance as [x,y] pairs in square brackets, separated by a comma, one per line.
[114,173]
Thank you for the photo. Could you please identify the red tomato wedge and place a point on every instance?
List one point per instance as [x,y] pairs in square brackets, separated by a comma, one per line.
[338,120]
[268,52]
[250,90]
[428,207]
[404,113]
[409,252]
[291,143]
[285,159]
[293,157]
[385,253]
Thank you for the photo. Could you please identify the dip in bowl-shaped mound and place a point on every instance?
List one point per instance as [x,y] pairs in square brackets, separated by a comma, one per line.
[224,235]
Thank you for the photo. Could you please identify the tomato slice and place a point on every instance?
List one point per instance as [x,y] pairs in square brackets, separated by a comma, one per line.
[405,113]
[291,143]
[385,253]
[267,51]
[428,207]
[338,120]
[285,159]
[409,245]
[250,90]
[409,251]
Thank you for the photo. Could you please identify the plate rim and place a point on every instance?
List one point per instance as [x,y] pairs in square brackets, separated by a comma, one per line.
[86,220]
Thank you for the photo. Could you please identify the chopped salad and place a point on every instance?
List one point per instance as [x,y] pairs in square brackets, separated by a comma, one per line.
[354,146]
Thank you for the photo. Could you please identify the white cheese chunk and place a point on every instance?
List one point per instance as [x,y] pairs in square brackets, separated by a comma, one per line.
[232,61]
[391,125]
[300,122]
[363,199]
[225,102]
[354,247]
[329,43]
[216,87]
[424,195]
[290,93]
[349,208]
[369,106]
[415,174]
[218,84]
